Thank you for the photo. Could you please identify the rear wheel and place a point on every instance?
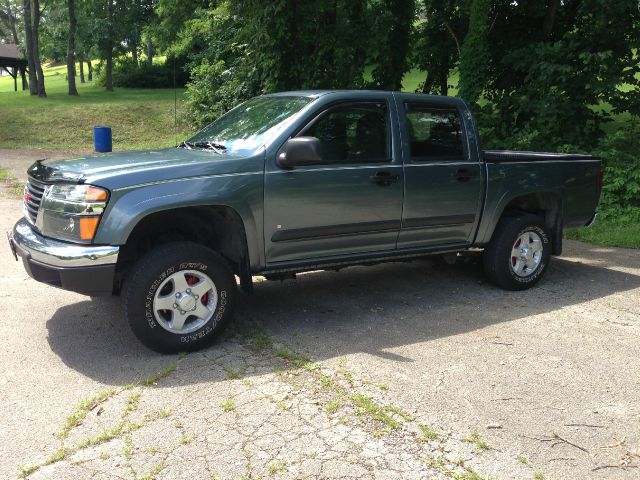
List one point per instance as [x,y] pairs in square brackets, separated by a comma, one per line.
[519,252]
[178,297]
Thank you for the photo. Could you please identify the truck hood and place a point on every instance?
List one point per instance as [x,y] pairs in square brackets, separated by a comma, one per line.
[122,169]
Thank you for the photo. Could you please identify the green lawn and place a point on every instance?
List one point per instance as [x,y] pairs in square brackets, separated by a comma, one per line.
[609,233]
[140,118]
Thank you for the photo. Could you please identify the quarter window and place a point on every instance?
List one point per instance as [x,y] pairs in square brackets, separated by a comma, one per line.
[434,133]
[353,133]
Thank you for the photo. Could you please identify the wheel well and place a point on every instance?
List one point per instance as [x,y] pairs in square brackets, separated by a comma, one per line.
[546,205]
[219,228]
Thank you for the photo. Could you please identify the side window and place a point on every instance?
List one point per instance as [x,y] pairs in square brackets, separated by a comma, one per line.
[434,133]
[353,133]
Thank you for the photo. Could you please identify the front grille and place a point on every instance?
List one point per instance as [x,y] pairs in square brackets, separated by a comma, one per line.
[33,192]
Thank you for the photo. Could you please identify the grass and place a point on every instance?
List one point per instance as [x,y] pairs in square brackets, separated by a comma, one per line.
[228,405]
[427,433]
[9,185]
[140,118]
[610,233]
[476,439]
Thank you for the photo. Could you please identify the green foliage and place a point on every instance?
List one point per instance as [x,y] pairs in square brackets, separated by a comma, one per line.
[548,72]
[620,198]
[474,54]
[392,22]
[437,42]
[221,68]
[127,73]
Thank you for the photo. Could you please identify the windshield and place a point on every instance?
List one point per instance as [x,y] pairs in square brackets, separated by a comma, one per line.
[246,127]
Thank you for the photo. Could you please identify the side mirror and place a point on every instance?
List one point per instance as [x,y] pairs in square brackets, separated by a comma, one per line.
[300,151]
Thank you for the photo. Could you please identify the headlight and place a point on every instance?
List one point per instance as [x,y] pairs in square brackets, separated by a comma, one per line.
[72,212]
[78,193]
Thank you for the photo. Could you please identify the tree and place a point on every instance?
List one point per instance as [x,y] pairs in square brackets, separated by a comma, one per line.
[28,32]
[9,11]
[393,24]
[71,50]
[36,15]
[438,40]
[474,53]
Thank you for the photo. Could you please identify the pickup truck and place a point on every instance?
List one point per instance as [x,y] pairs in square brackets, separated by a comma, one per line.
[288,183]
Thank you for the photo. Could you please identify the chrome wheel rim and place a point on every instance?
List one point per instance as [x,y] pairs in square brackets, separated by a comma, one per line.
[526,254]
[185,301]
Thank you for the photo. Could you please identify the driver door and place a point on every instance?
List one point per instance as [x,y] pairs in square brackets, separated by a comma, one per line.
[350,204]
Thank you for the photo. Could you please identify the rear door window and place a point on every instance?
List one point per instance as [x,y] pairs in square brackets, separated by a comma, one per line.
[434,133]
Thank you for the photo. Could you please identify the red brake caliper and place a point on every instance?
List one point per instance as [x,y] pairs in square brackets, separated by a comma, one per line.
[192,280]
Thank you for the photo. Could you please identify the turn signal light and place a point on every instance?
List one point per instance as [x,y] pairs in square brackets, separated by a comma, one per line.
[88,227]
[95,194]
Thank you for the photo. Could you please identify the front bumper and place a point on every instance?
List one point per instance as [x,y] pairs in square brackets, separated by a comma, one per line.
[86,269]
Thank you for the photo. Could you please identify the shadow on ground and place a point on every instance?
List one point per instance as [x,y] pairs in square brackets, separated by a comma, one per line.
[360,309]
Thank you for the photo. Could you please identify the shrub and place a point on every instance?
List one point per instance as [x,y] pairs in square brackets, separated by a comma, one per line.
[620,198]
[127,73]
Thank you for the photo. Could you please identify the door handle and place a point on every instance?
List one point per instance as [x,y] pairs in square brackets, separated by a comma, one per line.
[464,174]
[384,178]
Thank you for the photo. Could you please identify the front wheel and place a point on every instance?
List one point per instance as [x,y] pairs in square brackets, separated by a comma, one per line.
[519,252]
[178,296]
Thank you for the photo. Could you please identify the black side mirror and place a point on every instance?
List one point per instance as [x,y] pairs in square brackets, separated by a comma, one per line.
[300,151]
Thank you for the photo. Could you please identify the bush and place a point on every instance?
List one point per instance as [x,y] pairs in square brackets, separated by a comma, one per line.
[214,89]
[127,73]
[620,198]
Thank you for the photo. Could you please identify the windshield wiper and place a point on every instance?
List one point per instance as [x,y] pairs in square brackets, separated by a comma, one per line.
[207,145]
[216,147]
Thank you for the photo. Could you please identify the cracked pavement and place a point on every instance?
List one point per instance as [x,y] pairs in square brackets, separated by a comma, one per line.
[397,371]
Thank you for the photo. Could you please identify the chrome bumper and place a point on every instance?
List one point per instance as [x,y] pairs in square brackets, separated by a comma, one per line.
[26,242]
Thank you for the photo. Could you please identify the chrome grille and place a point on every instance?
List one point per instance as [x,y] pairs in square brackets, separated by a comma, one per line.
[33,192]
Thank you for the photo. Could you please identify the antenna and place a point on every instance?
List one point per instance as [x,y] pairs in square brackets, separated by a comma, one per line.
[175,103]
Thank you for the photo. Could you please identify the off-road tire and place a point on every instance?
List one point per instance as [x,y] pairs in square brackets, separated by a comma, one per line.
[147,275]
[498,254]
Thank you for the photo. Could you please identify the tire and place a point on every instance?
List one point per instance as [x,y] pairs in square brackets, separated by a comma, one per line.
[512,263]
[163,278]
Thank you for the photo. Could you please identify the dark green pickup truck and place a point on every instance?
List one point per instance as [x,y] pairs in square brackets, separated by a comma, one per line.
[294,182]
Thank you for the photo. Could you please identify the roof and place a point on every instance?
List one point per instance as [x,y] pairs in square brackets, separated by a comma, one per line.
[11,56]
[10,50]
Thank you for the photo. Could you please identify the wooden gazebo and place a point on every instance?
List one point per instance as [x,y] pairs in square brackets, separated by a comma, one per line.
[12,61]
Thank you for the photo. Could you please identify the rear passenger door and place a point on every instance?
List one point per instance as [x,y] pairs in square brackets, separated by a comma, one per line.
[443,180]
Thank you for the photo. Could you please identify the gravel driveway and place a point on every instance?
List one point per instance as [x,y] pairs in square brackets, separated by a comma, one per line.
[405,370]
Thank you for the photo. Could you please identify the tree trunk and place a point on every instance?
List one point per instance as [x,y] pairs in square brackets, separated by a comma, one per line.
[134,54]
[71,48]
[89,70]
[444,85]
[33,79]
[81,62]
[109,72]
[25,85]
[550,18]
[35,33]
[149,52]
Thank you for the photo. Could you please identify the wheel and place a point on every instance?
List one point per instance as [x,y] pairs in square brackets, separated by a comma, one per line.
[178,296]
[519,252]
